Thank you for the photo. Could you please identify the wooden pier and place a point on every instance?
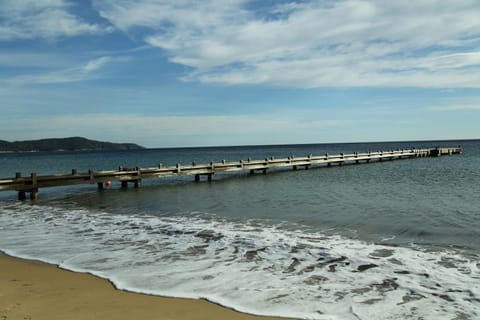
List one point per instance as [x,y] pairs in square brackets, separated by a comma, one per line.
[32,183]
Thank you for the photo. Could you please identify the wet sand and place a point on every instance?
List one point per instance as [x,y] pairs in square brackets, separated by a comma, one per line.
[35,290]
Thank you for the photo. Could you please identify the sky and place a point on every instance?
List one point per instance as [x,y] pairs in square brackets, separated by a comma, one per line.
[174,73]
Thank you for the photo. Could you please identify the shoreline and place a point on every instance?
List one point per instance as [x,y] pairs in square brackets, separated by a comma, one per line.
[32,289]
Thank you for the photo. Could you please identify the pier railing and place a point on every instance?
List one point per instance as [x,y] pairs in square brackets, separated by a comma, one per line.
[32,183]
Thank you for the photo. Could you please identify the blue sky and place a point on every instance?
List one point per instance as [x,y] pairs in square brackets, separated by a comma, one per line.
[237,72]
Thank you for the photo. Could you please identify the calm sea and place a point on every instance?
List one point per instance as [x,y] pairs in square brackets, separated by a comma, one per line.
[387,240]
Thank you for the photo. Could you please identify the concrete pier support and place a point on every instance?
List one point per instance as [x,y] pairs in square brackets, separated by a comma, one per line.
[22,195]
[264,171]
[209,177]
[136,183]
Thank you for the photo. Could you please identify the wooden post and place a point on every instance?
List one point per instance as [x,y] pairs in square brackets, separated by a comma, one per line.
[100,185]
[21,195]
[124,184]
[197,178]
[34,195]
[34,190]
[74,172]
[210,175]
[137,184]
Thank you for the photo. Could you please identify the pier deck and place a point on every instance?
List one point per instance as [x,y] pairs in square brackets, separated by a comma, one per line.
[31,184]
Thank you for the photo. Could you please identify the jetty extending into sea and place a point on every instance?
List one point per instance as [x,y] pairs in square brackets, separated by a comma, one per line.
[32,183]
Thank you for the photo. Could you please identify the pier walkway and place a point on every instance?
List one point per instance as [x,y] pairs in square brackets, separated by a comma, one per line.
[31,184]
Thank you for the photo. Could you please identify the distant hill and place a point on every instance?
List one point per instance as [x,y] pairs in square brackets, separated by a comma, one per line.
[64,144]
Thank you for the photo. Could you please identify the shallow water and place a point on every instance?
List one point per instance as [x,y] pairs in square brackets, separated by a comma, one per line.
[390,240]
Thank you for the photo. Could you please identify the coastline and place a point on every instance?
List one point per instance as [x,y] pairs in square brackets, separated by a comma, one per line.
[37,290]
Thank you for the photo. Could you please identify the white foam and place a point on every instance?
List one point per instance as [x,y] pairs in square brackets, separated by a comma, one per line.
[248,266]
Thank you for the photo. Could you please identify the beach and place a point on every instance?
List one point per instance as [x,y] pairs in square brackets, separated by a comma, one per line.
[386,240]
[35,290]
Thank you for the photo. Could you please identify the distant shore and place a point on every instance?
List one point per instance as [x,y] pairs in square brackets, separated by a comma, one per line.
[35,290]
[64,144]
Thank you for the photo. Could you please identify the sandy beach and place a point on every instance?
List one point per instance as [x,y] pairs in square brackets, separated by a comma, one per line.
[35,290]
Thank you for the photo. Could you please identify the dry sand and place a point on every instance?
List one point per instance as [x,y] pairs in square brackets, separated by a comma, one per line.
[34,290]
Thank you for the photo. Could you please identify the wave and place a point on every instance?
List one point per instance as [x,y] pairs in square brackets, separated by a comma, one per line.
[250,266]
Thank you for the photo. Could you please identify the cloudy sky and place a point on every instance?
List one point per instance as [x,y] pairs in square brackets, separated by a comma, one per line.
[236,72]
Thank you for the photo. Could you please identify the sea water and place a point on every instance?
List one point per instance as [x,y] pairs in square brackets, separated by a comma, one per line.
[385,240]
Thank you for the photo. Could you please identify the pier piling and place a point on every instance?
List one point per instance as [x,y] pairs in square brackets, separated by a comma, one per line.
[32,184]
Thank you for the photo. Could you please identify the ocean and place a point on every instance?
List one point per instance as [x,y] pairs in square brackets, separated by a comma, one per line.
[386,240]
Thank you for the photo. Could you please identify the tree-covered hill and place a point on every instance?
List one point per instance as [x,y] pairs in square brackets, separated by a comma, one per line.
[67,144]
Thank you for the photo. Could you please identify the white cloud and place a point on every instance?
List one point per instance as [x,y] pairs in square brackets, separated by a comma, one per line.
[75,74]
[340,43]
[456,107]
[95,64]
[48,19]
[452,61]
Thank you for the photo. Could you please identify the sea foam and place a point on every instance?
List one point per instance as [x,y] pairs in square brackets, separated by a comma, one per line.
[250,266]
